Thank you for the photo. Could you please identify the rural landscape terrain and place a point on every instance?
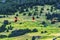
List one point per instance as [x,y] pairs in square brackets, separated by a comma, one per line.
[29,19]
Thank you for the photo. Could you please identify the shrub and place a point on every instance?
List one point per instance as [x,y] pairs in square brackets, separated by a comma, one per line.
[36,8]
[36,37]
[49,16]
[33,38]
[2,16]
[42,32]
[5,22]
[37,16]
[10,27]
[20,23]
[47,9]
[45,31]
[51,9]
[17,15]
[44,23]
[35,30]
[30,14]
[35,13]
[26,39]
[59,26]
[7,30]
[27,10]
[42,9]
[24,14]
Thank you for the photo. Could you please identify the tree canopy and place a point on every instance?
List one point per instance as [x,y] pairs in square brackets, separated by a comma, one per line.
[9,7]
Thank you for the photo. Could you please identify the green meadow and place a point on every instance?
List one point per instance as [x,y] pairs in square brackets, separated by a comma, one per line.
[25,21]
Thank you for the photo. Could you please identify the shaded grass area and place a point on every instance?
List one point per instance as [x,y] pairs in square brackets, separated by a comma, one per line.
[39,28]
[31,25]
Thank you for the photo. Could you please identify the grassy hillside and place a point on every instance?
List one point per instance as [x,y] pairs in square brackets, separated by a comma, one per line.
[46,30]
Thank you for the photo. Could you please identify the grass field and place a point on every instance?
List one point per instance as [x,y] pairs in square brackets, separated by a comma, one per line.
[52,29]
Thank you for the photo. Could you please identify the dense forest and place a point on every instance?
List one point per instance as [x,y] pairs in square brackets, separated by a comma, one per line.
[9,7]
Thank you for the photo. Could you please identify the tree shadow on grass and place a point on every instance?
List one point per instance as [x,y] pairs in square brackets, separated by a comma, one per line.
[3,36]
[2,28]
[19,32]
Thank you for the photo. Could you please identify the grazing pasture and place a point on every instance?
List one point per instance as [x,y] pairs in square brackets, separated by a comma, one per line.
[34,23]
